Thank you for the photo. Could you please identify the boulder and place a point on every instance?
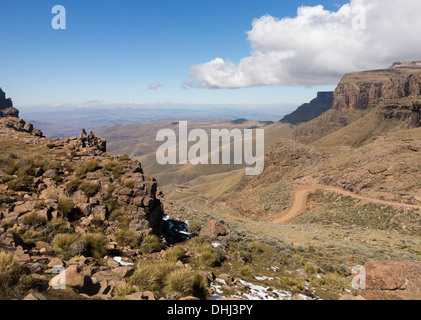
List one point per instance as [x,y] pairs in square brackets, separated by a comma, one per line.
[392,280]
[213,229]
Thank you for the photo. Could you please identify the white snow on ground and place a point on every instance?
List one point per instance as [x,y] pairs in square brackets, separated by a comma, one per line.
[263,278]
[215,244]
[261,293]
[121,262]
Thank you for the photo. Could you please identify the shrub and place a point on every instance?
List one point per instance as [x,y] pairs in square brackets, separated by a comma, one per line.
[63,242]
[111,204]
[109,166]
[124,157]
[118,171]
[129,184]
[96,244]
[151,243]
[11,167]
[199,286]
[51,145]
[65,206]
[309,269]
[73,185]
[10,271]
[89,188]
[86,167]
[20,184]
[174,254]
[179,281]
[122,291]
[257,247]
[146,277]
[183,282]
[115,215]
[34,219]
[128,237]
[56,226]
[151,276]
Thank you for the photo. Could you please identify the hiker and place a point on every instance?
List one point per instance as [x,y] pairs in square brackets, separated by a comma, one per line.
[92,140]
[83,138]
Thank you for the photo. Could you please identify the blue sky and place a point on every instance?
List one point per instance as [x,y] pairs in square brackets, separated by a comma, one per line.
[113,50]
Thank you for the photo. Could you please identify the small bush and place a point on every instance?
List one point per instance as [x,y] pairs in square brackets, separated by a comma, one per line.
[115,215]
[20,184]
[111,205]
[65,206]
[128,237]
[183,282]
[124,157]
[89,188]
[174,254]
[96,244]
[109,166]
[10,271]
[89,166]
[309,269]
[118,171]
[73,185]
[62,244]
[51,145]
[151,243]
[34,219]
[122,291]
[257,247]
[56,226]
[129,184]
[179,281]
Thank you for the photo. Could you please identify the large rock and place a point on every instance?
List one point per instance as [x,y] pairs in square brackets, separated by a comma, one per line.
[75,277]
[392,281]
[6,107]
[213,229]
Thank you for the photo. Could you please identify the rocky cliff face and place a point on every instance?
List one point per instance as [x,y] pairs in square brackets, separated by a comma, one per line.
[309,111]
[358,93]
[365,89]
[6,107]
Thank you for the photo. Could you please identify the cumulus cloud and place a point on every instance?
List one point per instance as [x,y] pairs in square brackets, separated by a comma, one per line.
[318,46]
[154,86]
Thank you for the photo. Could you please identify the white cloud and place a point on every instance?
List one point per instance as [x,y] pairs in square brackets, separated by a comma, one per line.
[154,86]
[318,46]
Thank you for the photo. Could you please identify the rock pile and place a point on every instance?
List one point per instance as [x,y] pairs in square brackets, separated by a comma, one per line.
[6,107]
[74,208]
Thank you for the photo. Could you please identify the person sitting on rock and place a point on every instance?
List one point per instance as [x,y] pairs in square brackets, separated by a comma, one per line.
[83,138]
[92,140]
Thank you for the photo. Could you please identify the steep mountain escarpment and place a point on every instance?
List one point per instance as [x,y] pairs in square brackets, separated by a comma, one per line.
[309,111]
[358,93]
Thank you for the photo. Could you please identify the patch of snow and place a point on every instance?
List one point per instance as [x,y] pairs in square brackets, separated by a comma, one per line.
[121,262]
[263,278]
[221,281]
[216,244]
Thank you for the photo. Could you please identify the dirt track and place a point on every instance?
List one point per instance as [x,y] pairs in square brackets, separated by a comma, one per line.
[300,202]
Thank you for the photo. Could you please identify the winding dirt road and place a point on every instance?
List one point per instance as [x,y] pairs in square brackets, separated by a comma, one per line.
[300,202]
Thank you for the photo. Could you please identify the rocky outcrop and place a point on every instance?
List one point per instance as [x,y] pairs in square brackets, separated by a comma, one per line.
[20,126]
[365,89]
[309,111]
[392,281]
[6,107]
[357,93]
